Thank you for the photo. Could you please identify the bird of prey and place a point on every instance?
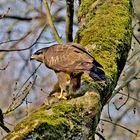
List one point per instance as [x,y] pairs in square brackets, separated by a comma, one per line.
[70,59]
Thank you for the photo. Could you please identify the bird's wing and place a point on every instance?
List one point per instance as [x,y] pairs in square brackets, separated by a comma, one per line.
[84,51]
[66,58]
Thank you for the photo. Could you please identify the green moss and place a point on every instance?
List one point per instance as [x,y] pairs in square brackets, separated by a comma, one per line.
[62,107]
[108,28]
[84,7]
[64,119]
[58,129]
[105,31]
[52,120]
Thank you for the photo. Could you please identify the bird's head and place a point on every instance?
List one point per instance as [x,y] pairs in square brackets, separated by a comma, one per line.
[38,55]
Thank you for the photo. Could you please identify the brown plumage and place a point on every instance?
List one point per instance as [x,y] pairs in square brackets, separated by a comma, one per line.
[69,59]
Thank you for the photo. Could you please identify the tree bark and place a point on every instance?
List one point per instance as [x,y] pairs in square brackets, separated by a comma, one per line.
[105,31]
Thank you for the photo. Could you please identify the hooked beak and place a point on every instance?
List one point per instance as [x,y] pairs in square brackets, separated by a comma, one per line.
[33,56]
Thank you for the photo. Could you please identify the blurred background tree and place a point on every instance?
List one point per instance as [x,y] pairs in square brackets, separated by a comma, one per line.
[23,26]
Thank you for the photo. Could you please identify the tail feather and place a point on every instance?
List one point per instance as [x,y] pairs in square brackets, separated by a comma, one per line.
[97,74]
[97,64]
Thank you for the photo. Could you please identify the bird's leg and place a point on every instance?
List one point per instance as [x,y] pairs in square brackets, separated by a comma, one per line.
[62,83]
[75,83]
[62,96]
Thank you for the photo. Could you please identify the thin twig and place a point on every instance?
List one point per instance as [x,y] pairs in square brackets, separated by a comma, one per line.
[124,84]
[1,116]
[29,78]
[18,100]
[50,21]
[109,112]
[129,96]
[16,103]
[6,129]
[97,133]
[45,42]
[17,17]
[136,38]
[134,54]
[5,67]
[3,15]
[69,20]
[12,40]
[14,50]
[119,126]
[2,122]
[118,108]
[9,123]
[119,118]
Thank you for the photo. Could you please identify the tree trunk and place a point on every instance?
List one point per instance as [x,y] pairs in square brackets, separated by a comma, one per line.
[105,31]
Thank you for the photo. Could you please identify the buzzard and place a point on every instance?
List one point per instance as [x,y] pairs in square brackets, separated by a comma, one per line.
[70,59]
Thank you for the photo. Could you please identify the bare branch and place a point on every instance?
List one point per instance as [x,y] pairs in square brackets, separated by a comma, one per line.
[8,41]
[130,79]
[19,99]
[118,108]
[4,128]
[69,20]
[97,133]
[4,68]
[13,50]
[136,38]
[129,96]
[109,112]
[17,17]
[120,117]
[50,21]
[2,122]
[3,15]
[119,126]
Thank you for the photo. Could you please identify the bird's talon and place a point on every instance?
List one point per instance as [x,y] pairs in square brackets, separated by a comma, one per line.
[62,97]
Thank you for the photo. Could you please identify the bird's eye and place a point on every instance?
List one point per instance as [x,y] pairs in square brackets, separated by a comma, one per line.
[38,53]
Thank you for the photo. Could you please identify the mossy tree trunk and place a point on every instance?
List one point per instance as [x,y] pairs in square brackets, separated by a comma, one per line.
[105,31]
